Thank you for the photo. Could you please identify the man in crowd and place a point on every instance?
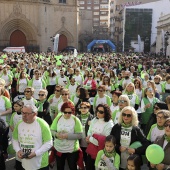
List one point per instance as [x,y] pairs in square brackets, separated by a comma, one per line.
[31,140]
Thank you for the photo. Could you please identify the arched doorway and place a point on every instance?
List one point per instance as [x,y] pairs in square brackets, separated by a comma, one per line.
[18,39]
[62,42]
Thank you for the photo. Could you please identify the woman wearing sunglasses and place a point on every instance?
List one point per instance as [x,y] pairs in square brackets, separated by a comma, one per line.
[147,104]
[90,84]
[123,101]
[126,132]
[85,118]
[164,142]
[100,127]
[44,106]
[54,99]
[67,130]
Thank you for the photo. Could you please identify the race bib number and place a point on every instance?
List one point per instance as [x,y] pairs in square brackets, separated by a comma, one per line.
[102,164]
[27,148]
[125,137]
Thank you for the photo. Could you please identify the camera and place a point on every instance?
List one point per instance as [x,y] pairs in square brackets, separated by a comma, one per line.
[25,155]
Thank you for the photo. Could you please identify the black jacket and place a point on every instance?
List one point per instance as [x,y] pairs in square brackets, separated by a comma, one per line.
[136,135]
[3,137]
[45,114]
[31,73]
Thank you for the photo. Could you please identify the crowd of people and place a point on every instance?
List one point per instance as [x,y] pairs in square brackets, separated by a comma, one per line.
[89,110]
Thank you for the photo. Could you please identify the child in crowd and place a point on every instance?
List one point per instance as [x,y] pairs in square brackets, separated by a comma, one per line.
[134,162]
[16,116]
[108,159]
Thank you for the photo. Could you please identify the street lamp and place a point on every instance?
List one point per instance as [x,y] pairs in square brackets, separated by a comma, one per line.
[166,36]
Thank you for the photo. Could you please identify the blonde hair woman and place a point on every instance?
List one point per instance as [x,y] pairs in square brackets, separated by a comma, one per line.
[131,93]
[126,132]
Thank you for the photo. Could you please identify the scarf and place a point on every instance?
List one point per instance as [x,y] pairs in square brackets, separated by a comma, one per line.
[109,154]
[18,113]
[40,105]
[167,138]
[85,116]
[160,127]
[130,93]
[126,126]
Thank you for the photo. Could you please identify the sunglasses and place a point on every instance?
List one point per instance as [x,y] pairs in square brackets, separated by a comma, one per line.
[167,125]
[68,113]
[126,115]
[122,101]
[57,90]
[83,107]
[100,90]
[64,94]
[90,76]
[41,94]
[27,91]
[100,111]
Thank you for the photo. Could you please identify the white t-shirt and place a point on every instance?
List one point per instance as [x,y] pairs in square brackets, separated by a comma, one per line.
[22,85]
[37,85]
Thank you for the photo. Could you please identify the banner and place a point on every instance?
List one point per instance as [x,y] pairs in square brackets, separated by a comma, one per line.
[56,40]
[139,43]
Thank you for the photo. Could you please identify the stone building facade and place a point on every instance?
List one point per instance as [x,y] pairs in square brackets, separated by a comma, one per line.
[31,23]
[163,26]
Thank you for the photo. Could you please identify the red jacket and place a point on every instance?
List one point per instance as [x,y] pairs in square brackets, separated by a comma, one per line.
[92,149]
[93,84]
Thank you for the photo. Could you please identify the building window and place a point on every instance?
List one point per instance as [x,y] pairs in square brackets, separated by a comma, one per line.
[96,2]
[62,1]
[117,7]
[89,7]
[96,7]
[88,2]
[95,13]
[104,1]
[82,7]
[104,13]
[81,2]
[95,19]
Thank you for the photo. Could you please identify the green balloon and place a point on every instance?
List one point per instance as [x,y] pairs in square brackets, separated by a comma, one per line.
[10,149]
[155,154]
[135,145]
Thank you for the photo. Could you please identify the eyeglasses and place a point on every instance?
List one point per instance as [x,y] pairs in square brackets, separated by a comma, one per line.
[158,117]
[41,94]
[64,94]
[106,80]
[156,108]
[68,113]
[37,73]
[126,115]
[83,107]
[90,76]
[101,90]
[167,125]
[27,91]
[100,111]
[57,90]
[122,101]
[25,113]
